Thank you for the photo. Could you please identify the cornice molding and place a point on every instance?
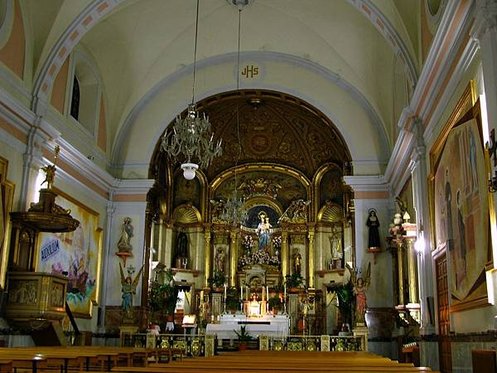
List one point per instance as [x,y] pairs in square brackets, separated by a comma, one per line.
[367,183]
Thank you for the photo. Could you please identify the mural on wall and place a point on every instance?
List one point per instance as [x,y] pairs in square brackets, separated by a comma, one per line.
[76,255]
[461,212]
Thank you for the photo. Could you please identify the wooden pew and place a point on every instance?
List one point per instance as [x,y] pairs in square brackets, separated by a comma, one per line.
[284,361]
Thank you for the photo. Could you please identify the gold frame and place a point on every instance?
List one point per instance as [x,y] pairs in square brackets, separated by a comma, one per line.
[7,194]
[465,109]
[98,231]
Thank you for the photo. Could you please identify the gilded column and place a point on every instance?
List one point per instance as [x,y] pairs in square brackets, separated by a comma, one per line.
[234,234]
[208,254]
[413,271]
[310,269]
[284,254]
[400,270]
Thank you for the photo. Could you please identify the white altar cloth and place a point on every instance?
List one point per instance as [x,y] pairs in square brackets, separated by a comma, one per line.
[269,325]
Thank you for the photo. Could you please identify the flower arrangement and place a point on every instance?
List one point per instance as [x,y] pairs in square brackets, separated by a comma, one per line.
[247,243]
[277,242]
[258,257]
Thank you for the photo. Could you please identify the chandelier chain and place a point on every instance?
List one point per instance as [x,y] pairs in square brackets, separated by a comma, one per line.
[195,53]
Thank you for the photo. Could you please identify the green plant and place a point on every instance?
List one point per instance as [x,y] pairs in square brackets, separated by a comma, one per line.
[217,280]
[345,297]
[294,280]
[163,294]
[242,334]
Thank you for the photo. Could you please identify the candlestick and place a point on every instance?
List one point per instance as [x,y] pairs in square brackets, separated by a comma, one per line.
[267,292]
[225,291]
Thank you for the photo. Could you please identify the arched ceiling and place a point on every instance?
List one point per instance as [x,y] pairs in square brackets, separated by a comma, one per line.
[263,126]
[138,43]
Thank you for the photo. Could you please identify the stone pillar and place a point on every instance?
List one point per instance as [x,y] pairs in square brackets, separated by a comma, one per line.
[310,268]
[424,259]
[284,254]
[208,253]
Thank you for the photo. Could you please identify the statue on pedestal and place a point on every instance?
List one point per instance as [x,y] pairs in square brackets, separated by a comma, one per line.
[360,285]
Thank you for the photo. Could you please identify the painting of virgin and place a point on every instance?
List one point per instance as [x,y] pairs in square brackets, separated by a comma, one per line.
[461,212]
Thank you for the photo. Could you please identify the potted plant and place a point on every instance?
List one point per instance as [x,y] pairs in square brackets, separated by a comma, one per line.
[217,280]
[162,297]
[243,337]
[294,281]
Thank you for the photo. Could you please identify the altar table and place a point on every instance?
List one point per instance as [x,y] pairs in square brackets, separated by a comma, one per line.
[269,325]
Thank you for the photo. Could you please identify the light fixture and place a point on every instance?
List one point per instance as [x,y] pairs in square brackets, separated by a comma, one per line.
[191,137]
[233,211]
[420,244]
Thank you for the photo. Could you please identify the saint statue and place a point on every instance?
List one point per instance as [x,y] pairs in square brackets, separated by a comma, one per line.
[128,289]
[124,243]
[360,285]
[374,243]
[220,255]
[297,262]
[263,230]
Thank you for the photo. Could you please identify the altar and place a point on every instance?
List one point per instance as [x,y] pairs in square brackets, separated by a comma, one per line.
[268,325]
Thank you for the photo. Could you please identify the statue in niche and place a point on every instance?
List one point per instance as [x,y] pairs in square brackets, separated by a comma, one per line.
[181,252]
[220,257]
[336,248]
[263,230]
[297,262]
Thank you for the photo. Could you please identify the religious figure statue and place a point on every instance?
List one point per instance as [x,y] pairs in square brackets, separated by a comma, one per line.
[220,256]
[124,243]
[336,246]
[360,285]
[181,252]
[297,262]
[374,242]
[128,290]
[263,230]
[49,175]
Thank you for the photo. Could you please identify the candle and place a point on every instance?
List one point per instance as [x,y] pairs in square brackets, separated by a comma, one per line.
[285,292]
[267,292]
[225,290]
[241,293]
[201,295]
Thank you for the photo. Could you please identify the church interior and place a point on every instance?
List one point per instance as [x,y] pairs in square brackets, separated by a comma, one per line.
[306,175]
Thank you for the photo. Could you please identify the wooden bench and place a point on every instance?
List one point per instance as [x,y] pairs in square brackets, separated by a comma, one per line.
[272,361]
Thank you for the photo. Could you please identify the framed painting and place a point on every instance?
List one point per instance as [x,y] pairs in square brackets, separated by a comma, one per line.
[460,211]
[6,201]
[77,255]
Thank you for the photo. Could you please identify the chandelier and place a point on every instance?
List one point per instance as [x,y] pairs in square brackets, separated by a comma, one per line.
[234,211]
[191,136]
